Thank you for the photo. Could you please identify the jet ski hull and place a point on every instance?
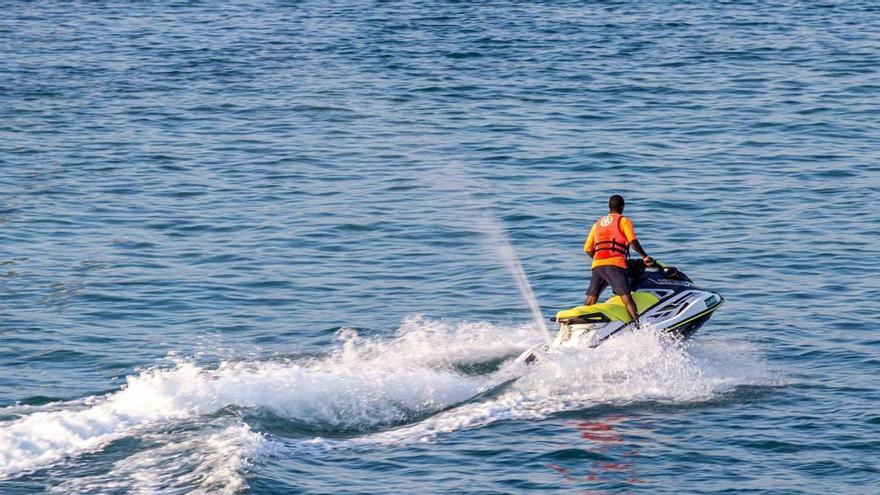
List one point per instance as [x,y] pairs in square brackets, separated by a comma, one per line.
[667,300]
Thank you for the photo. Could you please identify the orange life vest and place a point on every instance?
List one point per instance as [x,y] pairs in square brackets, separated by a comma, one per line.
[609,241]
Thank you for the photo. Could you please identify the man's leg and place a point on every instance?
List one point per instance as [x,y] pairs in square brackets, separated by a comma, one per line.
[619,281]
[631,307]
[597,285]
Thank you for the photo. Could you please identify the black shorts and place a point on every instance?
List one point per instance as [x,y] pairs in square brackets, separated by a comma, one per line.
[603,276]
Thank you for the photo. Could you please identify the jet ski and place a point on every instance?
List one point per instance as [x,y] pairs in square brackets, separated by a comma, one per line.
[666,300]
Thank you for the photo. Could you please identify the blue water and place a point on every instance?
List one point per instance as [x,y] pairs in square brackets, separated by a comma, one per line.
[253,247]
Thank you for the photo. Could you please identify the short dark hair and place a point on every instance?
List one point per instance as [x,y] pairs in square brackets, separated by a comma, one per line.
[616,203]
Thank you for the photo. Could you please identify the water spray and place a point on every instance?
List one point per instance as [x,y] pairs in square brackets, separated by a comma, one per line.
[498,235]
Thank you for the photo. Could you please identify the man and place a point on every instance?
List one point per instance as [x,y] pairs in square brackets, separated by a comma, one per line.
[608,245]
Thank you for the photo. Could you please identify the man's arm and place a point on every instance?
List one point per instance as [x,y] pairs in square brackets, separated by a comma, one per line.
[638,247]
[630,233]
[589,244]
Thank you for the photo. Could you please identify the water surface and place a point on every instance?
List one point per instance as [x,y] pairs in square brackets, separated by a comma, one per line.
[245,248]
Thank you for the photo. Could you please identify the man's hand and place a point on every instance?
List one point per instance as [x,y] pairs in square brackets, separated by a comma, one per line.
[649,261]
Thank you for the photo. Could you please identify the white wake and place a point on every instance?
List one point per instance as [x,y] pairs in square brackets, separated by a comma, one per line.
[374,391]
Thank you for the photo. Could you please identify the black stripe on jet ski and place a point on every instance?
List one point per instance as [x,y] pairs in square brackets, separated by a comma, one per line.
[685,322]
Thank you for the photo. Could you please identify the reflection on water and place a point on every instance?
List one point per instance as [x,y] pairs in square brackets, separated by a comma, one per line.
[606,437]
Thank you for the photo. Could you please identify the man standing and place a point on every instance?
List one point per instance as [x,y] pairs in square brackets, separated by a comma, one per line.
[608,245]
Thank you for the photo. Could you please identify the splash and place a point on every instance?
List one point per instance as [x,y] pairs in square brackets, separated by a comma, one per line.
[637,367]
[368,391]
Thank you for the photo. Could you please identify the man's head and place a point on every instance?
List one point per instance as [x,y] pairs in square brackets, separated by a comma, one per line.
[616,204]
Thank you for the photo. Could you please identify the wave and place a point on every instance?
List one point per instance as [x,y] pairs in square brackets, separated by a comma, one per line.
[212,460]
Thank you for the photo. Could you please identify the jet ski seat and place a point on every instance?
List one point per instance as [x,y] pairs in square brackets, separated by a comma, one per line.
[610,310]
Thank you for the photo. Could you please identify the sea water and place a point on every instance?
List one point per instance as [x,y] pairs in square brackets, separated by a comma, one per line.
[293,247]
